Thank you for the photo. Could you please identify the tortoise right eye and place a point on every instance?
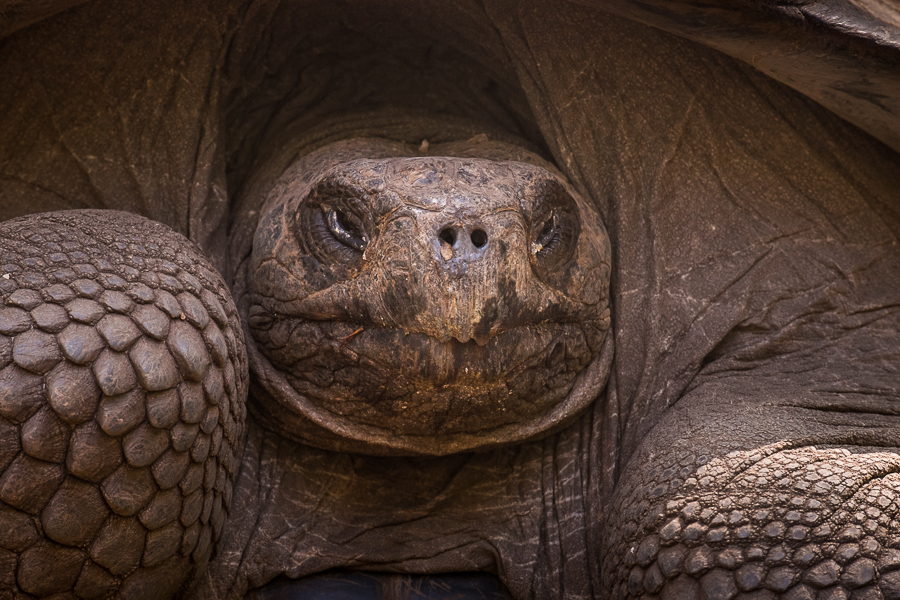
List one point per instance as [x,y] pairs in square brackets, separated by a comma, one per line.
[333,233]
[345,230]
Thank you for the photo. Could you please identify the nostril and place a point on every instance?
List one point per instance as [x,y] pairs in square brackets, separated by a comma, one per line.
[479,238]
[448,235]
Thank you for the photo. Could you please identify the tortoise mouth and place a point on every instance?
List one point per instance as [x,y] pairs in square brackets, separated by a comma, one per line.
[282,404]
[416,384]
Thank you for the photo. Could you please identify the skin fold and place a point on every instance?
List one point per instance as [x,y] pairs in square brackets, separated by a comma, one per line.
[733,434]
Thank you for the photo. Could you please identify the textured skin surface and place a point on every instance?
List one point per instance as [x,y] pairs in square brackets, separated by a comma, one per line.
[122,386]
[806,522]
[754,292]
[785,519]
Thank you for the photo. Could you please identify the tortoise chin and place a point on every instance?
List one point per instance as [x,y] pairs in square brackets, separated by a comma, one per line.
[425,304]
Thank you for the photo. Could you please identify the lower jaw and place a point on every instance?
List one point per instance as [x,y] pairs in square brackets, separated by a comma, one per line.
[417,385]
[311,390]
[419,408]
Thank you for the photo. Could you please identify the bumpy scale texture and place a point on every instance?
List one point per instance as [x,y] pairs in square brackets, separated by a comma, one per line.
[798,523]
[122,387]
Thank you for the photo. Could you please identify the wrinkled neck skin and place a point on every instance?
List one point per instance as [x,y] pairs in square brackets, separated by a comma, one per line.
[525,512]
[469,313]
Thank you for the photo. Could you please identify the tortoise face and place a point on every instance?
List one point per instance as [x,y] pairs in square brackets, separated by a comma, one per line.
[428,298]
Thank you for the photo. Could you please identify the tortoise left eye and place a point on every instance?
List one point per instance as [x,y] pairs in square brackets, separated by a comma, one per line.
[554,231]
[548,236]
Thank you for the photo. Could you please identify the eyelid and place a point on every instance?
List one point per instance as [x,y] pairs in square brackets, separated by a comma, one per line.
[357,240]
[539,244]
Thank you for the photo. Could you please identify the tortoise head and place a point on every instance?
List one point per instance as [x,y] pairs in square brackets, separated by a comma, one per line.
[426,305]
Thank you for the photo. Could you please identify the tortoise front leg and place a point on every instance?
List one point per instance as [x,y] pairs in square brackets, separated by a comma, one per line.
[731,497]
[123,383]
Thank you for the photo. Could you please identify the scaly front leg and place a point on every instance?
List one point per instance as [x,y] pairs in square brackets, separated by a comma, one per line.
[123,382]
[742,496]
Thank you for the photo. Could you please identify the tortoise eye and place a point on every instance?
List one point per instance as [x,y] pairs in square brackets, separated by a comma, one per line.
[554,231]
[548,235]
[334,224]
[345,229]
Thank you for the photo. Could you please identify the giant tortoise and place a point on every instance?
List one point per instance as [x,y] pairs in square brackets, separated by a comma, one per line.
[550,300]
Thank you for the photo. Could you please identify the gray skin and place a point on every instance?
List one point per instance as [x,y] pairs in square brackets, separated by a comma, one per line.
[744,445]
